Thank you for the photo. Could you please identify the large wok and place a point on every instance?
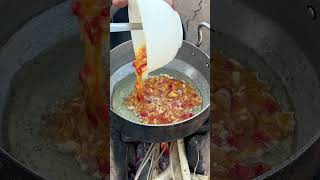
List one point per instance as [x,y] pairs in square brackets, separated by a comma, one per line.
[284,38]
[191,64]
[284,33]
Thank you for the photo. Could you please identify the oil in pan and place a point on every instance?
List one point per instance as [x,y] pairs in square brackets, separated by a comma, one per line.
[125,87]
[38,89]
[239,53]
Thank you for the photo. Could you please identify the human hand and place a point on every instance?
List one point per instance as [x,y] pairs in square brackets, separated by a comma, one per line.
[124,3]
[120,3]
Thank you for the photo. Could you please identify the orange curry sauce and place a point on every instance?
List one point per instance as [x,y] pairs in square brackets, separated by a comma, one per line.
[160,99]
[140,65]
[248,121]
[93,15]
[80,126]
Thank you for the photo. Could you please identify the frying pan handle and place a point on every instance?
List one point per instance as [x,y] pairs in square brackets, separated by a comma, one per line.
[201,25]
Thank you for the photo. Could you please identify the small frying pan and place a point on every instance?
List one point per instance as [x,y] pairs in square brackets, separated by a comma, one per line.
[191,64]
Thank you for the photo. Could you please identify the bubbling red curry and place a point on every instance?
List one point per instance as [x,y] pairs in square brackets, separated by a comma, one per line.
[248,121]
[161,99]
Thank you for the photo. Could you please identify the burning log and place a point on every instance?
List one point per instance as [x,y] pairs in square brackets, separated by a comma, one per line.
[177,169]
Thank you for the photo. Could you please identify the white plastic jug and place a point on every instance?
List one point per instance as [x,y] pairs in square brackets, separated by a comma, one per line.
[162,31]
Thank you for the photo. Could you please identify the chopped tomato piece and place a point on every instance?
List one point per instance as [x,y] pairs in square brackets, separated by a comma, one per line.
[260,168]
[143,114]
[139,72]
[186,115]
[143,67]
[162,119]
[187,105]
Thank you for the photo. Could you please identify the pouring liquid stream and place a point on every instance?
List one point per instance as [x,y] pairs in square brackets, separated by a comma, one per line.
[140,65]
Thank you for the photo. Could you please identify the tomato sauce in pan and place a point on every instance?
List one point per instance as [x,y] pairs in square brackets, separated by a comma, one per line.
[140,65]
[166,100]
[248,121]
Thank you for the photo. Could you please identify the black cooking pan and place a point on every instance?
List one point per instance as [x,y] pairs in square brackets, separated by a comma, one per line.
[279,41]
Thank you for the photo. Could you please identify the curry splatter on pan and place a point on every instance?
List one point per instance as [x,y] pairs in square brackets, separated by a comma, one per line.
[191,65]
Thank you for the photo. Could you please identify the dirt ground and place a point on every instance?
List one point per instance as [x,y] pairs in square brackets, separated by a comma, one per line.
[193,12]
